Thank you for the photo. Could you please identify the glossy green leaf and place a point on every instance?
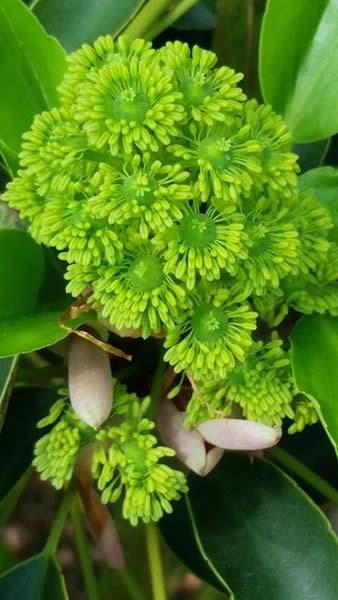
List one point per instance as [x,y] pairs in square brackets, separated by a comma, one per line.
[32,65]
[21,272]
[38,578]
[32,296]
[299,63]
[19,433]
[75,22]
[7,374]
[315,360]
[324,182]
[248,528]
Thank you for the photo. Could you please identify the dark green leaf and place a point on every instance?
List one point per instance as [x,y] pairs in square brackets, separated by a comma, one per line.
[32,65]
[19,433]
[299,63]
[7,559]
[312,155]
[75,22]
[315,360]
[38,578]
[7,374]
[248,527]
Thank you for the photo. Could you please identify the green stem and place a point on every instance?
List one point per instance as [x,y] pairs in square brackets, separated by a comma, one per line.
[9,502]
[303,472]
[135,593]
[59,521]
[155,562]
[156,386]
[170,18]
[82,546]
[144,20]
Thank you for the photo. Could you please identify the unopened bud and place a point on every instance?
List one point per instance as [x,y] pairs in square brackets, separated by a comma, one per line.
[90,382]
[239,434]
[188,444]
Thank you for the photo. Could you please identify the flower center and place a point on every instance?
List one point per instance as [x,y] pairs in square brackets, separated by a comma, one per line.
[198,231]
[140,188]
[209,323]
[216,151]
[130,105]
[146,273]
[136,456]
[194,92]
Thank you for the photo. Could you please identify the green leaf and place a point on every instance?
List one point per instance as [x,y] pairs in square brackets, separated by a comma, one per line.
[38,578]
[32,296]
[32,65]
[315,359]
[21,272]
[299,63]
[7,374]
[19,433]
[324,182]
[7,559]
[75,22]
[249,528]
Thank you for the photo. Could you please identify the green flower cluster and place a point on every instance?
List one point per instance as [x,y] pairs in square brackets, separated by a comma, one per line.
[126,460]
[175,200]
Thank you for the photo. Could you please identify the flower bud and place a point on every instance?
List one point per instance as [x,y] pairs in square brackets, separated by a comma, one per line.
[239,434]
[188,444]
[90,382]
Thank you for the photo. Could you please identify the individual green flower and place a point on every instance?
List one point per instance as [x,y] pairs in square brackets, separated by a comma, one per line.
[313,223]
[262,386]
[144,192]
[69,224]
[128,462]
[273,245]
[304,414]
[202,244]
[22,195]
[129,105]
[86,62]
[209,95]
[316,291]
[227,157]
[80,277]
[209,338]
[136,293]
[53,151]
[56,452]
[279,165]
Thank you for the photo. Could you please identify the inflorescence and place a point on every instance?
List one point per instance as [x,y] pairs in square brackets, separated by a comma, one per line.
[127,462]
[175,201]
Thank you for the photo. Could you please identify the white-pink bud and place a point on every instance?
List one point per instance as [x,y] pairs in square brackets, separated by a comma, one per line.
[90,382]
[239,434]
[188,444]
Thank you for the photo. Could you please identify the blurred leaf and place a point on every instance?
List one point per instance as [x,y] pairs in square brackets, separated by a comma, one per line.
[201,17]
[324,182]
[299,63]
[19,433]
[7,373]
[248,527]
[38,578]
[7,559]
[75,22]
[315,359]
[32,65]
[311,155]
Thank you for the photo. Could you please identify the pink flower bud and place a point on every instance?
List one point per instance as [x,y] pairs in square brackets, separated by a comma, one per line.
[239,434]
[90,382]
[188,444]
